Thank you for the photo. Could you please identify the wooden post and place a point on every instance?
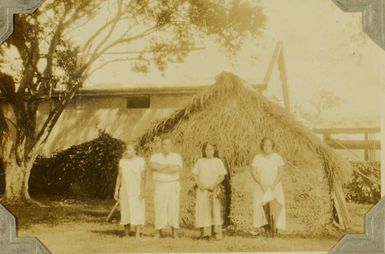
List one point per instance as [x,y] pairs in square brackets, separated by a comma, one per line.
[272,62]
[283,76]
[372,150]
[326,137]
[366,150]
[278,58]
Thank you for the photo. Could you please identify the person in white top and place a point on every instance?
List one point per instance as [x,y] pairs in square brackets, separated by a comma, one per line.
[269,200]
[129,190]
[209,172]
[166,167]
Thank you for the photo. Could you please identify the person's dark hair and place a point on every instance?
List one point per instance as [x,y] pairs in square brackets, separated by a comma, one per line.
[216,153]
[263,142]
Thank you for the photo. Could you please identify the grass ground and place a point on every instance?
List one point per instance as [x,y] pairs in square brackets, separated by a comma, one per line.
[79,227]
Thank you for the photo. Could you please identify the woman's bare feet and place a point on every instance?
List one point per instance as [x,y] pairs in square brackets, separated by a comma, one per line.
[127,230]
[158,234]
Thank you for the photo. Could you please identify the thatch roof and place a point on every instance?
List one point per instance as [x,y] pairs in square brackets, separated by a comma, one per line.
[236,117]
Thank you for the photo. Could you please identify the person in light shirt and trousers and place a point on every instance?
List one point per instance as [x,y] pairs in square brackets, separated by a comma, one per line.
[166,167]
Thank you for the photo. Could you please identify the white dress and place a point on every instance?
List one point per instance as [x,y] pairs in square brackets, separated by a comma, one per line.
[131,206]
[267,169]
[208,208]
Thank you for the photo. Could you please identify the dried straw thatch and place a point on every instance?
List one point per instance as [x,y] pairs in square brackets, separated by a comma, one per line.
[236,117]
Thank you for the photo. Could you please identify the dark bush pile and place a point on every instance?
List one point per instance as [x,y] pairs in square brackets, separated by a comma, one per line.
[87,170]
[361,189]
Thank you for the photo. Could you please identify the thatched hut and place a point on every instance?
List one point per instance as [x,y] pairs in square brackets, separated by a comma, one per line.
[236,117]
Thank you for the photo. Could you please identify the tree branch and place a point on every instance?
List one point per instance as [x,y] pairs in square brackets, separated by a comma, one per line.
[66,33]
[113,26]
[76,14]
[11,122]
[54,115]
[96,55]
[51,50]
[88,44]
[28,53]
[30,130]
[123,59]
[121,14]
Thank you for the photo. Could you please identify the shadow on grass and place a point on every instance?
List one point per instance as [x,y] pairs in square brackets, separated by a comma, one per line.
[98,214]
[121,234]
[259,236]
[110,232]
[53,214]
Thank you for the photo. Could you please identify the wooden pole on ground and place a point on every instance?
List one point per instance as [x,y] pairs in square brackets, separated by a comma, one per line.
[112,211]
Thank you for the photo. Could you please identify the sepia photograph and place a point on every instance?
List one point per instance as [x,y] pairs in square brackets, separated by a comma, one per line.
[190,125]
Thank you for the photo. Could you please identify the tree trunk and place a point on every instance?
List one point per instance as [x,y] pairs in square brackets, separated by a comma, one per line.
[14,179]
[16,182]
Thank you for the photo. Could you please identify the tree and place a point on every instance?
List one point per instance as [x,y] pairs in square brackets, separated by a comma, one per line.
[53,62]
[324,101]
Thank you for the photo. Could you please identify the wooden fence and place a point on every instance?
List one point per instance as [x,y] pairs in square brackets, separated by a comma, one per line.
[369,144]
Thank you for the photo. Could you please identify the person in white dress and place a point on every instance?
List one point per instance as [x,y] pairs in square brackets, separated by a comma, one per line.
[166,167]
[209,172]
[269,201]
[129,190]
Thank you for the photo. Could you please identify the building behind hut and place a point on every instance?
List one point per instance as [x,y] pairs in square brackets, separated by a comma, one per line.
[123,113]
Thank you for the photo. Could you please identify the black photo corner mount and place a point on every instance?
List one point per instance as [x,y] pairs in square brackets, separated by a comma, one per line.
[372,241]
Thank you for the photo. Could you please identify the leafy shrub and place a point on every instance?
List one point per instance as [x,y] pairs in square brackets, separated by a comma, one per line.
[81,171]
[361,189]
[89,170]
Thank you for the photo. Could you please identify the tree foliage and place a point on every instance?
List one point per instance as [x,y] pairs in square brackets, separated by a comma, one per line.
[65,42]
[365,186]
[314,111]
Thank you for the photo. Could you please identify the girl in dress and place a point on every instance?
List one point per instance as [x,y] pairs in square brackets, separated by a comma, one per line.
[269,201]
[129,190]
[209,172]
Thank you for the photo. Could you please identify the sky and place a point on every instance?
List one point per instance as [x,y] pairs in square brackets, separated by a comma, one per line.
[325,49]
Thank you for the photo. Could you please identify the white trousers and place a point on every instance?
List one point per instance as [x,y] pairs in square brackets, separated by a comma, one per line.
[166,204]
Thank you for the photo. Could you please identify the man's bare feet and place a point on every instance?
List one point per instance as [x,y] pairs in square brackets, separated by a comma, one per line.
[158,234]
[174,233]
[218,237]
[127,230]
